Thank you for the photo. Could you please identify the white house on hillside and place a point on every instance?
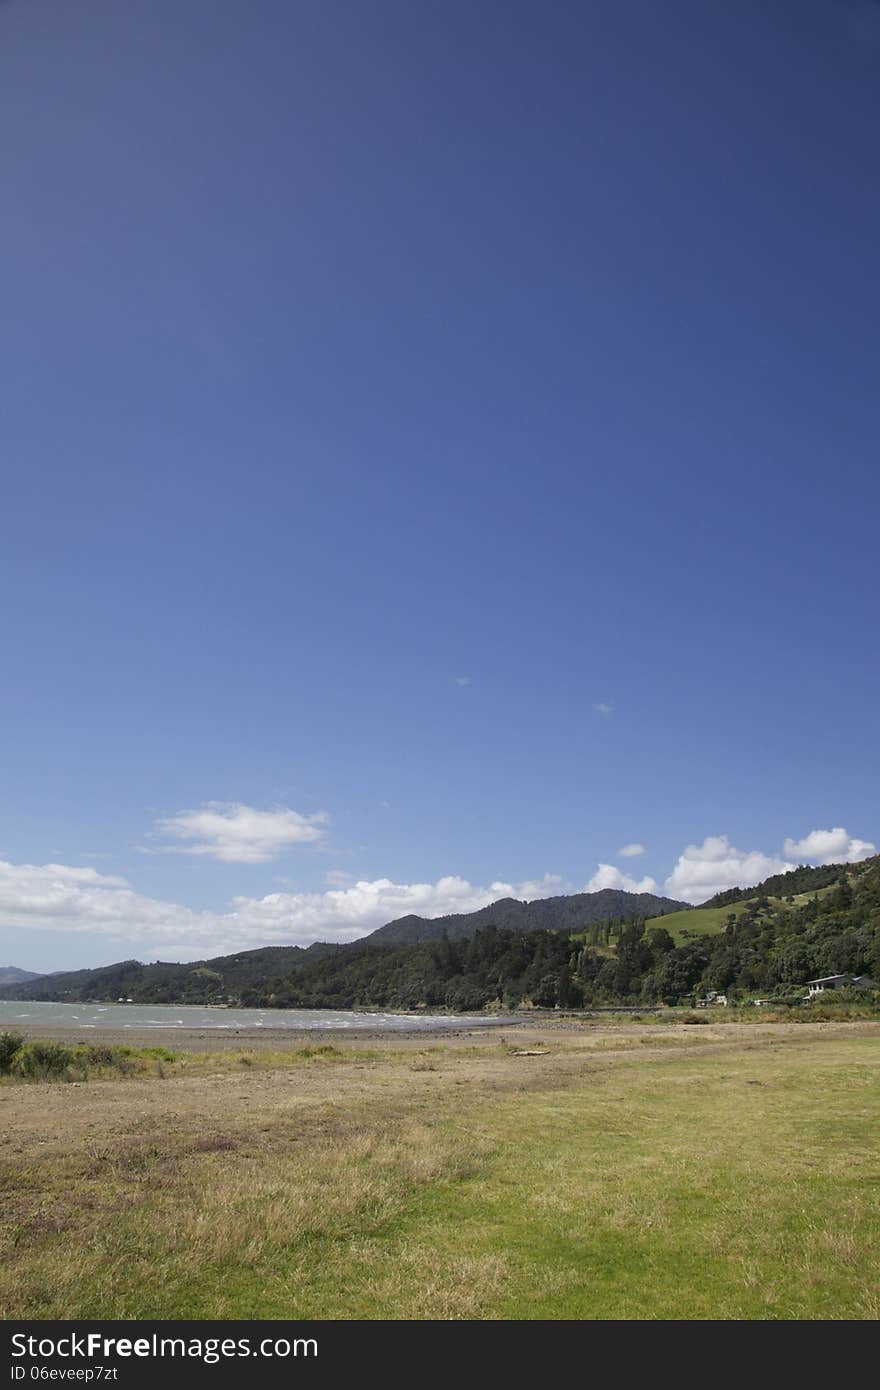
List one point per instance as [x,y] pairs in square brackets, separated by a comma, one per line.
[839,982]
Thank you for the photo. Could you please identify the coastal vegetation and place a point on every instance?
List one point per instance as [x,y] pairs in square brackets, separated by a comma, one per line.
[225,979]
[36,1059]
[764,944]
[767,941]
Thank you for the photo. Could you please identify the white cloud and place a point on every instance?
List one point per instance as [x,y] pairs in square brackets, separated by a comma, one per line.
[239,834]
[550,886]
[609,876]
[347,912]
[703,870]
[631,851]
[829,847]
[603,709]
[58,898]
[342,914]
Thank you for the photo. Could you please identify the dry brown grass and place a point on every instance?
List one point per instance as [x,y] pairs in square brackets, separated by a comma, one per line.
[455,1180]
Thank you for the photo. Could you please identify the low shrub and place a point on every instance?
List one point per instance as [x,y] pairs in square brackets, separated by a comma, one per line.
[10,1046]
[158,1054]
[43,1061]
[47,1061]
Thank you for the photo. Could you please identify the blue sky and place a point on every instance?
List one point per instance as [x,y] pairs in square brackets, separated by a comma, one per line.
[439,451]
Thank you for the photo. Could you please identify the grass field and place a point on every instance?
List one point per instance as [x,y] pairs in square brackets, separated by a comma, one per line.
[675,1172]
[698,921]
[708,920]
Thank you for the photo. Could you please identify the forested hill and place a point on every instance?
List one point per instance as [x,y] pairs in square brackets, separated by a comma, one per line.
[804,879]
[164,982]
[816,922]
[11,975]
[571,913]
[226,978]
[771,945]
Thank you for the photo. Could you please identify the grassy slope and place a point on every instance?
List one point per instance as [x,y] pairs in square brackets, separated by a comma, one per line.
[662,1173]
[698,921]
[709,920]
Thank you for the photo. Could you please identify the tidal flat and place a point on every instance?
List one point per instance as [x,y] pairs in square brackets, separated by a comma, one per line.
[546,1170]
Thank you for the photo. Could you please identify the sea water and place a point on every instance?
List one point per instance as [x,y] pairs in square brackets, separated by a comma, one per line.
[33,1014]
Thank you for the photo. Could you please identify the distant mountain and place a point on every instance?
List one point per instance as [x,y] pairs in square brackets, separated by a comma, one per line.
[569,913]
[11,975]
[163,982]
[225,978]
[588,948]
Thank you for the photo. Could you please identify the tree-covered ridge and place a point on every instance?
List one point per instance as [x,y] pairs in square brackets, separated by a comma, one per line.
[11,975]
[766,943]
[163,982]
[223,978]
[769,946]
[803,879]
[569,912]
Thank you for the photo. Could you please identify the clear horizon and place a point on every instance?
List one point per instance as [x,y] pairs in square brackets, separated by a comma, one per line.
[439,461]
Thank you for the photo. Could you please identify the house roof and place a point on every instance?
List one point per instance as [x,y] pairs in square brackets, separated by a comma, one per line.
[827,979]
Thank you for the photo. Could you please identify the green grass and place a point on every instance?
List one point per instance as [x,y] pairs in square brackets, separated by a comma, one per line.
[800,898]
[696,922]
[663,1204]
[708,920]
[694,1181]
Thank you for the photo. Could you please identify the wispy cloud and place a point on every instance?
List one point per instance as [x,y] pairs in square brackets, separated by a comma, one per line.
[462,680]
[631,851]
[338,878]
[237,834]
[604,709]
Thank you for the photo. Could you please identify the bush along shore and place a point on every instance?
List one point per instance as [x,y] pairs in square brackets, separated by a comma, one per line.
[36,1060]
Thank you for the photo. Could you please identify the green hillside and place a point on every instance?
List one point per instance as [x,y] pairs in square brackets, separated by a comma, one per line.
[819,921]
[697,921]
[776,894]
[756,944]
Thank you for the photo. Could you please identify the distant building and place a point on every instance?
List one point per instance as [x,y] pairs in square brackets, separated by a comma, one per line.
[711,1000]
[825,982]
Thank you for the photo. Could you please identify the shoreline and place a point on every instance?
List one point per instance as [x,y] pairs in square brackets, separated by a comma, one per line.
[266,1039]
